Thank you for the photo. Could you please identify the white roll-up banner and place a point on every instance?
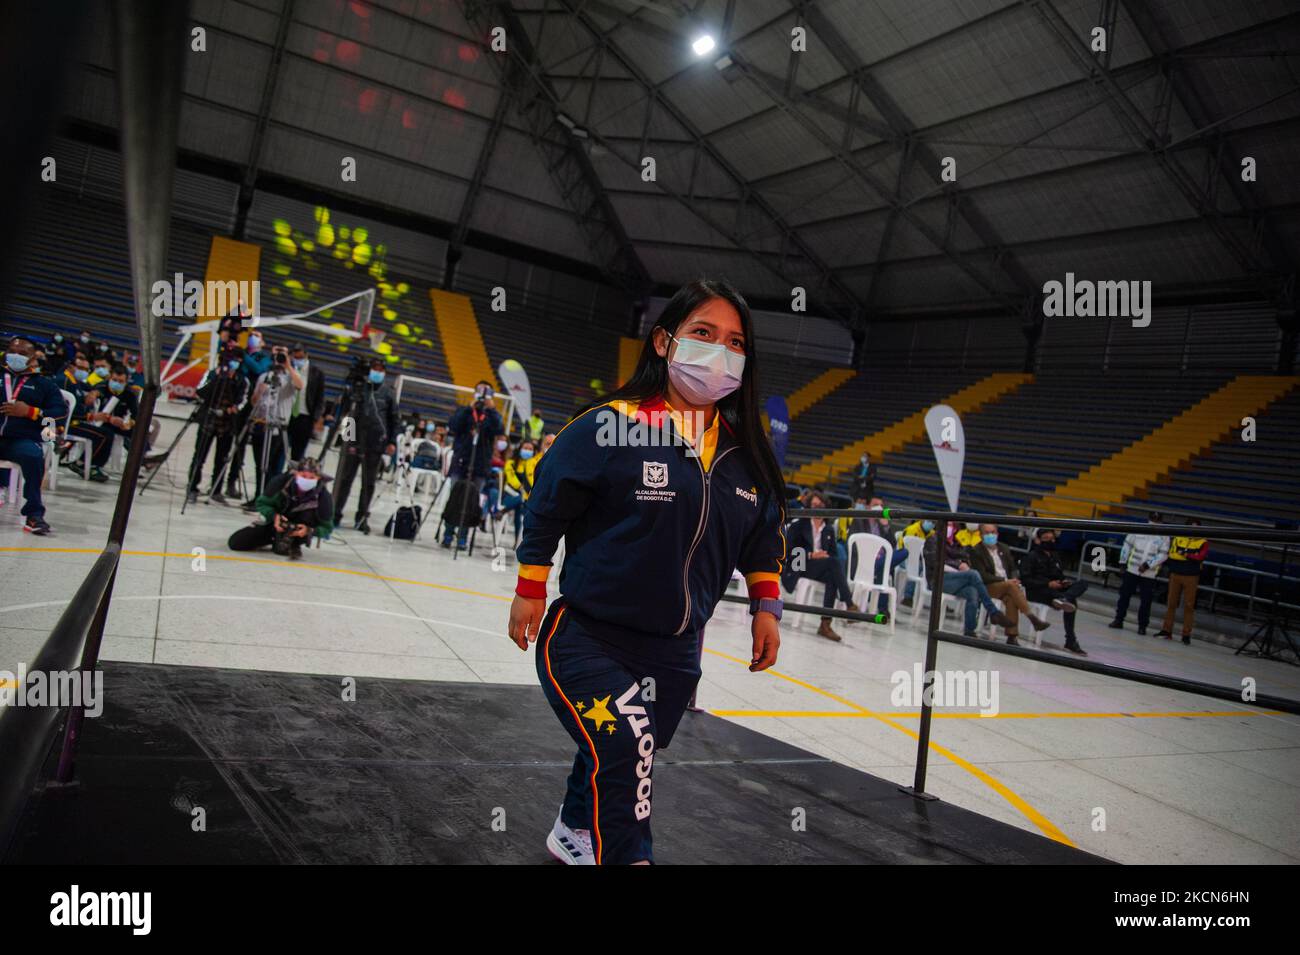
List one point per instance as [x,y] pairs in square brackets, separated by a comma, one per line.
[515,381]
[949,442]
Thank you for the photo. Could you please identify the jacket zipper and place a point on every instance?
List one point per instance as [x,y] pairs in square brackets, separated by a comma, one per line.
[707,477]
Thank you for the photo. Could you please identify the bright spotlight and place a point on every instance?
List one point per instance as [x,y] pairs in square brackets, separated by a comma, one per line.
[703,45]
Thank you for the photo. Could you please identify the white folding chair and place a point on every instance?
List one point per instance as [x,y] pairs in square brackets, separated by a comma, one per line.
[947,602]
[863,554]
[808,591]
[15,483]
[910,571]
[82,445]
[1040,611]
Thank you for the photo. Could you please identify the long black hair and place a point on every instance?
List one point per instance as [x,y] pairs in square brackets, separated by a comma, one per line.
[740,408]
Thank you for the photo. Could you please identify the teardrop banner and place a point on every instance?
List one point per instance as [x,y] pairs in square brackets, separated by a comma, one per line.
[948,439]
[515,382]
[778,416]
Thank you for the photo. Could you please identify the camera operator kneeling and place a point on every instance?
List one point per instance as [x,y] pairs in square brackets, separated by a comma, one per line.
[295,505]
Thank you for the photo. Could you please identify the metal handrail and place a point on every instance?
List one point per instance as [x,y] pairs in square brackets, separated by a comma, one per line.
[934,633]
[1219,566]
[1105,506]
[27,732]
[149,43]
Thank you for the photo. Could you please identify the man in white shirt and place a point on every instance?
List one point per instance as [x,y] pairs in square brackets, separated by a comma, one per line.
[1141,558]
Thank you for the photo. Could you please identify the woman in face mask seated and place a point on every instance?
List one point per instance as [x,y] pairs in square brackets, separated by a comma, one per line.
[521,469]
[294,506]
[660,491]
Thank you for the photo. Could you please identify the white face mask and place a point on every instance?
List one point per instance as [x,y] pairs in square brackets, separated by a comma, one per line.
[305,483]
[704,372]
[501,445]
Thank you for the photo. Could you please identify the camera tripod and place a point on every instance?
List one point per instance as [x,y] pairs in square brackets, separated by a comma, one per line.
[166,455]
[270,431]
[1272,636]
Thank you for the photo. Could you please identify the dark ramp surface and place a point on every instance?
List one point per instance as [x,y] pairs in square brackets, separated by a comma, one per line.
[285,771]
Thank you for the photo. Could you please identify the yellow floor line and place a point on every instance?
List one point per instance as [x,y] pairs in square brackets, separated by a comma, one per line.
[1044,824]
[868,714]
[1032,814]
[261,560]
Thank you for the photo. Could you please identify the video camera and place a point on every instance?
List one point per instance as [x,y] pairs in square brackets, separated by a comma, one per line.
[359,372]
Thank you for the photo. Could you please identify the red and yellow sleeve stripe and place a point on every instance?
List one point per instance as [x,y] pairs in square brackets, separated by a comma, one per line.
[34,413]
[532,580]
[763,586]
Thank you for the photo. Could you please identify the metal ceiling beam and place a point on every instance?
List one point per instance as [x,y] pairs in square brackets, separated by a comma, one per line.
[926,133]
[456,247]
[1135,123]
[351,147]
[1183,87]
[565,159]
[247,185]
[848,308]
[860,268]
[1002,258]
[887,235]
[1057,172]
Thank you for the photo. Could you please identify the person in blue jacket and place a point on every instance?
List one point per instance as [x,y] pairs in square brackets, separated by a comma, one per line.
[29,397]
[659,491]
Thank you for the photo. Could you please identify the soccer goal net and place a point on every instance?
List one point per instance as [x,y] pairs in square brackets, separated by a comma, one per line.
[342,322]
[428,399]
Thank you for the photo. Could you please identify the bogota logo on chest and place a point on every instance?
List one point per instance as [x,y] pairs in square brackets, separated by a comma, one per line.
[654,477]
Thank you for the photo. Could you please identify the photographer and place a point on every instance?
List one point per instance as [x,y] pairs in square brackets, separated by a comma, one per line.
[221,394]
[374,433]
[474,431]
[256,363]
[273,399]
[305,418]
[294,507]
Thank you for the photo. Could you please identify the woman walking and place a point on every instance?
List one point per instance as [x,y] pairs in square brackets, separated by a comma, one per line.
[659,491]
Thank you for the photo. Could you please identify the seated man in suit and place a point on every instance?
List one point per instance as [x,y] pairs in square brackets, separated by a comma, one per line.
[1001,576]
[811,553]
[1045,583]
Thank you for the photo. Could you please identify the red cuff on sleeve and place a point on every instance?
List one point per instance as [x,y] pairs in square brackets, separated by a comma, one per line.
[531,588]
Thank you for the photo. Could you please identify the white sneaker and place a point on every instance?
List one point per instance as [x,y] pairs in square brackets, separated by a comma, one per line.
[570,846]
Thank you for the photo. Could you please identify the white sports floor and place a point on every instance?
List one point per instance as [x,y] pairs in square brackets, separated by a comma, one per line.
[1135,773]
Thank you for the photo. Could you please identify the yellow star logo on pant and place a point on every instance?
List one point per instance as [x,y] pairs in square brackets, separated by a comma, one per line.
[599,712]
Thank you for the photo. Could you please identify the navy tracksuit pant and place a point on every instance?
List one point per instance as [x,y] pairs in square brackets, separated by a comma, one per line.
[620,696]
[29,455]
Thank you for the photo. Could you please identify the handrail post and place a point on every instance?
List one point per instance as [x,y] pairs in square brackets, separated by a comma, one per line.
[931,656]
[76,713]
[116,534]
